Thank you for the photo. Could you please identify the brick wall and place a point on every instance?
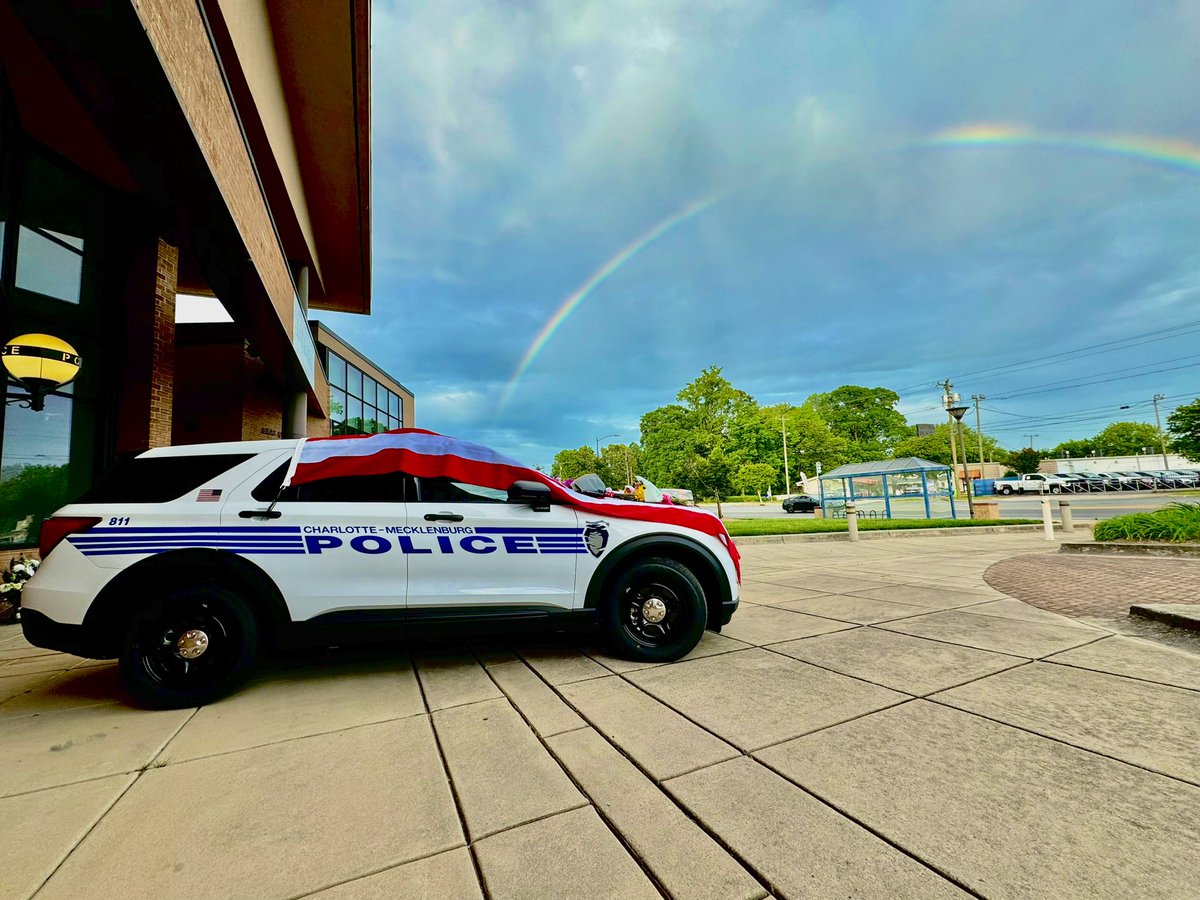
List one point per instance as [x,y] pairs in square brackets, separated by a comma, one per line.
[262,403]
[162,360]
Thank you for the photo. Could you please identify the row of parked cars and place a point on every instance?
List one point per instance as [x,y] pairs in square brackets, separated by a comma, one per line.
[1161,479]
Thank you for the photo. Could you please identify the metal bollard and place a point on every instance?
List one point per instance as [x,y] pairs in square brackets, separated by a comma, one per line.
[1064,512]
[1047,521]
[852,520]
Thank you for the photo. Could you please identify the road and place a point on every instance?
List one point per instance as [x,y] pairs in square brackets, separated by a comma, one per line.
[1087,507]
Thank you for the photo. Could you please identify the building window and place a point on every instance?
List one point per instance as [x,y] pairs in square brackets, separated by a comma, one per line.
[363,405]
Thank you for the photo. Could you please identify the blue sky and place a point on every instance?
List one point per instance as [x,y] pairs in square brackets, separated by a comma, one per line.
[518,147]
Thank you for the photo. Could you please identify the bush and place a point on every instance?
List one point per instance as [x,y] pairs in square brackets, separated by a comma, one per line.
[1177,523]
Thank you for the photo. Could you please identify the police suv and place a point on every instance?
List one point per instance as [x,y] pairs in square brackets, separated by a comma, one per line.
[188,562]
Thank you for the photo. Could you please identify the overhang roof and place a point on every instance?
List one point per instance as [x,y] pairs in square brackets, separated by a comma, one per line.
[323,52]
[884,467]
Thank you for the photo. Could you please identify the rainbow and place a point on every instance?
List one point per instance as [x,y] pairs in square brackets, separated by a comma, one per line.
[614,263]
[1166,152]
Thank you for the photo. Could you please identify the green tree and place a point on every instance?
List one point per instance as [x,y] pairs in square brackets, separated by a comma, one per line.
[573,463]
[754,478]
[1184,428]
[1024,461]
[27,498]
[867,417]
[620,462]
[1126,438]
[1076,449]
[936,447]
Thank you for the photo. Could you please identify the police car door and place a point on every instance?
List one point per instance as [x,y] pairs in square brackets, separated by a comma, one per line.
[469,547]
[342,551]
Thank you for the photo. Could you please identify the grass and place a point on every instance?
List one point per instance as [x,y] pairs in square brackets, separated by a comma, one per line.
[751,527]
[1177,523]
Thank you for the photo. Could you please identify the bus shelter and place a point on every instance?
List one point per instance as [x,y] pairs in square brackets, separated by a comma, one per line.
[890,488]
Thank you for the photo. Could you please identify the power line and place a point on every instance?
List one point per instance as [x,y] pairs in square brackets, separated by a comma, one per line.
[1061,386]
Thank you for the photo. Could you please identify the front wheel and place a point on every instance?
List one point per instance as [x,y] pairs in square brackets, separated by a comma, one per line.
[1006,490]
[1055,489]
[656,611]
[188,647]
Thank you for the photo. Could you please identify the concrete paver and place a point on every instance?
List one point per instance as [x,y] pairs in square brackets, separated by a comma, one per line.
[710,644]
[31,665]
[45,826]
[1018,609]
[449,874]
[1135,659]
[898,661]
[568,856]
[858,610]
[1029,639]
[1003,812]
[769,624]
[254,820]
[831,584]
[1146,724]
[452,679]
[74,745]
[300,702]
[798,844]
[660,740]
[543,708]
[502,774]
[764,593]
[685,860]
[560,664]
[755,698]
[16,685]
[932,597]
[93,686]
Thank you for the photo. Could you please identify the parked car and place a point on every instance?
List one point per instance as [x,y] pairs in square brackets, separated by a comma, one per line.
[1034,483]
[801,503]
[188,561]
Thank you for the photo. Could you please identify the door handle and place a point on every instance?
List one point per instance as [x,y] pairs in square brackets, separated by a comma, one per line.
[443,517]
[260,514]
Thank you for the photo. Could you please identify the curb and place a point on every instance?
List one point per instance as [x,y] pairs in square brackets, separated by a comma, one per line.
[1133,548]
[884,535]
[1184,615]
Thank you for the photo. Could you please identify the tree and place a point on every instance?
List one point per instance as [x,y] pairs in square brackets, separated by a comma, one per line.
[620,462]
[867,417]
[754,478]
[1126,438]
[1024,461]
[936,447]
[573,463]
[1184,427]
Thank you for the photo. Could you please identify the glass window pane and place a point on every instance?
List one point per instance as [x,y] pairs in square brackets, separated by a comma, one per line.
[337,404]
[369,390]
[337,370]
[33,470]
[354,415]
[393,404]
[354,381]
[47,267]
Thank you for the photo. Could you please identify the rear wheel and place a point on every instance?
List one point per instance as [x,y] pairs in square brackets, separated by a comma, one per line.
[1006,490]
[656,611]
[189,647]
[1055,489]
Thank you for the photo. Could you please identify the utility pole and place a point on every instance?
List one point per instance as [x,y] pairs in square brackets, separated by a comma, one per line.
[1031,437]
[979,429]
[787,475]
[947,399]
[1162,440]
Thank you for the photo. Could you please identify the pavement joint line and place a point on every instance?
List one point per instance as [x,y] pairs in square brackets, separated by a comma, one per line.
[1070,665]
[986,650]
[1066,743]
[612,827]
[377,871]
[462,820]
[873,831]
[908,698]
[737,857]
[137,776]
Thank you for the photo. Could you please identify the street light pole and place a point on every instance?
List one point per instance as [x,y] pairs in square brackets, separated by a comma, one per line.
[601,438]
[948,397]
[956,408]
[979,429]
[1162,440]
[787,475]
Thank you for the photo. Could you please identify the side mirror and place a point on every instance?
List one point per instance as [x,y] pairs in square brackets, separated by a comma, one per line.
[530,493]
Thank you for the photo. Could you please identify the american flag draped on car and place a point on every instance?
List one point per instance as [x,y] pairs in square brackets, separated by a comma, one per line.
[426,454]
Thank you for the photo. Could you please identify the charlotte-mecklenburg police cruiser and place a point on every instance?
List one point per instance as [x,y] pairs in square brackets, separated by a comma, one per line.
[188,562]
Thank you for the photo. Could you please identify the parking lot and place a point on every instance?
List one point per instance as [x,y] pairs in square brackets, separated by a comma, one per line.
[876,721]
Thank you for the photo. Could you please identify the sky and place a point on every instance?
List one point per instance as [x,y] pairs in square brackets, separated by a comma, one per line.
[578,206]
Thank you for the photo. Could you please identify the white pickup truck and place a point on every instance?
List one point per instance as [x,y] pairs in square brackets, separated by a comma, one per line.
[1036,483]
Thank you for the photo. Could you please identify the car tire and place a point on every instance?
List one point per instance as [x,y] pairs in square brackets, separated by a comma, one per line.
[188,647]
[1055,489]
[1006,490]
[630,608]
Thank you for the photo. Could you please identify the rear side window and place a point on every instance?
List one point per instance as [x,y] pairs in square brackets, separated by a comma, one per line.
[158,479]
[392,487]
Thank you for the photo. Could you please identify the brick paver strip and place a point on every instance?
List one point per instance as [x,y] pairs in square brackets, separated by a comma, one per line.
[1093,585]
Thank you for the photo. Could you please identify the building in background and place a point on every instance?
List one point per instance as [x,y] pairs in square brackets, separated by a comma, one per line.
[363,398]
[156,147]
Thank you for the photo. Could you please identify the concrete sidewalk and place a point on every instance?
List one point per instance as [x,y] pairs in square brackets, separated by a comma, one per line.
[875,722]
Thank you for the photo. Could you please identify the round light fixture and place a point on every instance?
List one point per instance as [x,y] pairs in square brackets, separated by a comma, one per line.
[40,363]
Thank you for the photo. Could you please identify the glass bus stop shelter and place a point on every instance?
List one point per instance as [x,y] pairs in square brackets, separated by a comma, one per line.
[906,488]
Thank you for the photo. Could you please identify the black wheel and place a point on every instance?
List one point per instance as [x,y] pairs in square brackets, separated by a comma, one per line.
[189,647]
[1006,490]
[656,611]
[1055,489]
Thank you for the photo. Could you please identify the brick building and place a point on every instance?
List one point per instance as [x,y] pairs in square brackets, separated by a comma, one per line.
[150,148]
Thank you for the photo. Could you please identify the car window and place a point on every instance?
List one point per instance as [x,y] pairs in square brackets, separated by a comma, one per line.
[393,487]
[444,490]
[159,479]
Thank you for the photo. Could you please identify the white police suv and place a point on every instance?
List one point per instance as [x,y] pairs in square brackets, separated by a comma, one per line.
[186,562]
